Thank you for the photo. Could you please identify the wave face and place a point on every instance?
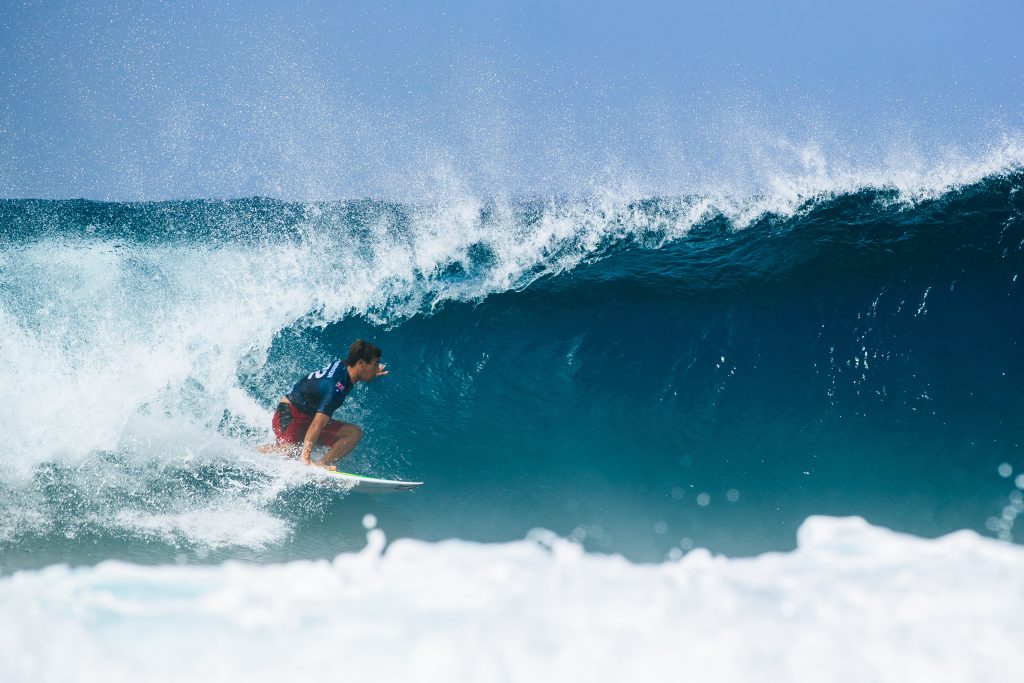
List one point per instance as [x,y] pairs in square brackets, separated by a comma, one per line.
[640,375]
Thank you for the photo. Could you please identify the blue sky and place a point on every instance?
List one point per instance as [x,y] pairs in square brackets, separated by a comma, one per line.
[126,100]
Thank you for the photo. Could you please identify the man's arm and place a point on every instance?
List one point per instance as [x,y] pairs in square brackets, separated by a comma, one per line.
[312,434]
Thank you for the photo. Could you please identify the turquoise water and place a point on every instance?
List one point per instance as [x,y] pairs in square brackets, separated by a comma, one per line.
[642,376]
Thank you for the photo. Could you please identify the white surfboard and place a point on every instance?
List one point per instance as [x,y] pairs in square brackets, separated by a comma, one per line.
[364,484]
[359,482]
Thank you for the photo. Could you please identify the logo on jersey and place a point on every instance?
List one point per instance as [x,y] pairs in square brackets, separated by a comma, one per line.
[328,370]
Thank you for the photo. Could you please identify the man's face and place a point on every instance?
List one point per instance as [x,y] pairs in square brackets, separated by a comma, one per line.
[367,370]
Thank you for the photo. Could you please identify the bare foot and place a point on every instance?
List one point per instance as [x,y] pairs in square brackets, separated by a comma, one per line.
[285,450]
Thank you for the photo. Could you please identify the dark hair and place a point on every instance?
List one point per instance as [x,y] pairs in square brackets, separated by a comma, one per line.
[362,350]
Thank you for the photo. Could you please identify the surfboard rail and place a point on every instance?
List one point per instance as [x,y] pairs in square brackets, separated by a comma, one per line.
[366,484]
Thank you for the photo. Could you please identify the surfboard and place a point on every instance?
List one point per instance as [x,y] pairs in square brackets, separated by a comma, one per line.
[357,482]
[364,484]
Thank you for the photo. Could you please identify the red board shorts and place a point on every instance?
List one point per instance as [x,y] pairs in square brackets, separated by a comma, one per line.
[290,425]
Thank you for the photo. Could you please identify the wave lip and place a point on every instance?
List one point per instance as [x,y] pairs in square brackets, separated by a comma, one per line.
[852,603]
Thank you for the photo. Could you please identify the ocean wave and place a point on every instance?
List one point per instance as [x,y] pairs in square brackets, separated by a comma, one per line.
[182,323]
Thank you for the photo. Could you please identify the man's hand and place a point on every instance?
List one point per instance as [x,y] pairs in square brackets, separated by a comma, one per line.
[312,435]
[380,370]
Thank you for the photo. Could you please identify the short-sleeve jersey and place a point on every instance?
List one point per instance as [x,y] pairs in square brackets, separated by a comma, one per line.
[322,391]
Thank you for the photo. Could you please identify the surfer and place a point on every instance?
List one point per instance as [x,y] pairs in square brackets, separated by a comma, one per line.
[304,414]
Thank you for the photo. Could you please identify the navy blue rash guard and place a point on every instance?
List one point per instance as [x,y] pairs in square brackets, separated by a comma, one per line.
[322,391]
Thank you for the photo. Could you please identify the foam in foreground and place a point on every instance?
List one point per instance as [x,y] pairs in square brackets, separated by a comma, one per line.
[852,603]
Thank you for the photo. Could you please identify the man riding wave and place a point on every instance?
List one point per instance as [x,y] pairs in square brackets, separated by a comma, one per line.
[304,414]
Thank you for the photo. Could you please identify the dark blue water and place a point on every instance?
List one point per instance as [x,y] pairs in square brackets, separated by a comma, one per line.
[636,386]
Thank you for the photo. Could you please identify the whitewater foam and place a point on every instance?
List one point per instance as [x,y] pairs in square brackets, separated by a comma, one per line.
[852,603]
[211,527]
